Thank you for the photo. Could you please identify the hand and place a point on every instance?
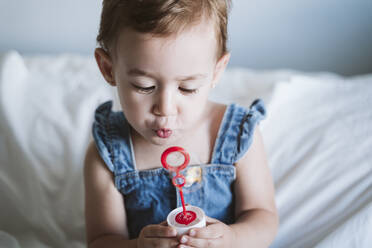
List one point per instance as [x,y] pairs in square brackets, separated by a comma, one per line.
[160,235]
[215,234]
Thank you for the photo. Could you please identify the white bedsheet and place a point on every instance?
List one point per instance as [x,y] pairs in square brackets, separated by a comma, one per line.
[318,136]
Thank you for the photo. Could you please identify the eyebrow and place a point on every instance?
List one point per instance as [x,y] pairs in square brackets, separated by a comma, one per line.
[138,72]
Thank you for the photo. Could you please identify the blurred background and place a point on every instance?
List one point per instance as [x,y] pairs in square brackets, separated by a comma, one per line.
[306,35]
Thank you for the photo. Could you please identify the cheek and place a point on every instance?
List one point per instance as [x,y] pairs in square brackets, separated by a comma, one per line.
[134,113]
[133,105]
[193,108]
[130,99]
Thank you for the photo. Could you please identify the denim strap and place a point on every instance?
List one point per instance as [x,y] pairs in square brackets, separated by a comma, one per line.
[236,132]
[111,133]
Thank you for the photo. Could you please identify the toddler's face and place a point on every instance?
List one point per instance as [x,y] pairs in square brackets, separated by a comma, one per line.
[163,82]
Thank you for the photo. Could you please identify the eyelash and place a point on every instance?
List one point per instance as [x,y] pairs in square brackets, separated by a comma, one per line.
[149,89]
[144,89]
[188,91]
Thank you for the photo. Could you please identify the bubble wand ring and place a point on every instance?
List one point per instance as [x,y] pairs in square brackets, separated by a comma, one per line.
[173,149]
[179,181]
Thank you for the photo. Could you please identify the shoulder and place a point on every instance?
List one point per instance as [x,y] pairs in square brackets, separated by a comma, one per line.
[237,129]
[111,134]
[256,151]
[94,167]
[104,205]
[254,185]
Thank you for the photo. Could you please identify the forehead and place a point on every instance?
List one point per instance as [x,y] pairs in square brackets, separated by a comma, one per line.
[192,48]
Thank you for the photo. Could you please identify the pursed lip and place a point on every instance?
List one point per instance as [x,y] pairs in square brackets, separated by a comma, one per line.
[163,132]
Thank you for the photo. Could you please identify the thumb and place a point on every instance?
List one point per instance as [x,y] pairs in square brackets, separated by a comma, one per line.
[210,220]
[164,223]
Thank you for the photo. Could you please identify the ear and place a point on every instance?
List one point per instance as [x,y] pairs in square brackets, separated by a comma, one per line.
[220,68]
[105,65]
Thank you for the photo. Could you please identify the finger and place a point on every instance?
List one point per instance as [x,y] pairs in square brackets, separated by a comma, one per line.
[210,220]
[211,231]
[159,231]
[160,242]
[198,242]
[184,246]
[164,223]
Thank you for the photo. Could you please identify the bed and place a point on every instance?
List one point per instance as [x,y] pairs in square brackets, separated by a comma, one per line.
[318,137]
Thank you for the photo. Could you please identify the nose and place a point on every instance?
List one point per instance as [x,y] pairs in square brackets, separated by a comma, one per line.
[165,104]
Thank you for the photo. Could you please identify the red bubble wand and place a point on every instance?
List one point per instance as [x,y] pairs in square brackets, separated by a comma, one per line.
[185,217]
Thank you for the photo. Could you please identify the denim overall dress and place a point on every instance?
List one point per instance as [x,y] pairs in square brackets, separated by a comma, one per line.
[149,195]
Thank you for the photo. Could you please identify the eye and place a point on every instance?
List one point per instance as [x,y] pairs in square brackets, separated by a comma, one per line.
[143,89]
[188,91]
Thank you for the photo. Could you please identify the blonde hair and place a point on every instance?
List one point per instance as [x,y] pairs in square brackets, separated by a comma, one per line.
[162,18]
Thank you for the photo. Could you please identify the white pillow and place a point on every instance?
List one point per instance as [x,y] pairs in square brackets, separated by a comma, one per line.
[243,86]
[318,136]
[47,107]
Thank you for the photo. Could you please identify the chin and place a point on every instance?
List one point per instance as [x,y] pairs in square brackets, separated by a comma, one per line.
[154,139]
[161,141]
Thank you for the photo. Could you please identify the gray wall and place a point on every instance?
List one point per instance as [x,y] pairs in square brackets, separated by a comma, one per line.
[309,35]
